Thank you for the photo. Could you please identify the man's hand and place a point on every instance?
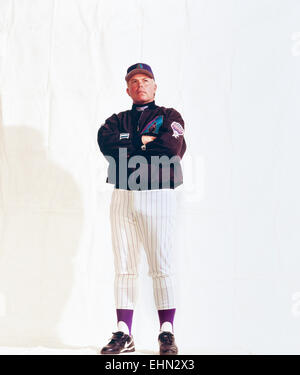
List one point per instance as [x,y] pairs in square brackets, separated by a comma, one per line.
[147,138]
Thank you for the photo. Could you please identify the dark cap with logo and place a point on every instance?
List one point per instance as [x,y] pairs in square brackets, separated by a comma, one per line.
[139,68]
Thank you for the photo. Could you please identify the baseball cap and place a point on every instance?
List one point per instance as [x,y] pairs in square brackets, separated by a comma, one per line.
[139,68]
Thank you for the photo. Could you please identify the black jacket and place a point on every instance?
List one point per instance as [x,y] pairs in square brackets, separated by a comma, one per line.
[124,131]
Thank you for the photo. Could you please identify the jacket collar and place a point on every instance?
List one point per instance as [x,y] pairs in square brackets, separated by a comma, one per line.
[141,107]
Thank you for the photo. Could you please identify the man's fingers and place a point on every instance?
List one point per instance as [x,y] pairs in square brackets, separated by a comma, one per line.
[147,138]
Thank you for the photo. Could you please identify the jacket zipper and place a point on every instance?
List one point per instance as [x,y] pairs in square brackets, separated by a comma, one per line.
[138,127]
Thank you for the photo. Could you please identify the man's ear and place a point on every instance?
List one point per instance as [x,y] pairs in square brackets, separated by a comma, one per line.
[127,90]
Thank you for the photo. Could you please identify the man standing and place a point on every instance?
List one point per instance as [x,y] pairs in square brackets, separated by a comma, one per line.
[143,204]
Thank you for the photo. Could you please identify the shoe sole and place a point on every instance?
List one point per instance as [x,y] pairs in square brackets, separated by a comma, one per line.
[129,350]
[168,353]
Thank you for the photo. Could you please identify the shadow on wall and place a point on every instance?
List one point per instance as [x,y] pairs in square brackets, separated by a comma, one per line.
[41,220]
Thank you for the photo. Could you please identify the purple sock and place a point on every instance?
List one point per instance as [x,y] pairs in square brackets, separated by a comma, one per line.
[125,316]
[166,316]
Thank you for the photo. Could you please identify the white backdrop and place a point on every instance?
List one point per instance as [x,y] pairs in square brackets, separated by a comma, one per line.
[232,68]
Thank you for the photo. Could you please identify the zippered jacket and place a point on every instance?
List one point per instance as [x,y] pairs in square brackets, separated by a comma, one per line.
[120,141]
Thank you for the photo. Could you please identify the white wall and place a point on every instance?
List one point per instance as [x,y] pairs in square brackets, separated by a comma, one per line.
[231,67]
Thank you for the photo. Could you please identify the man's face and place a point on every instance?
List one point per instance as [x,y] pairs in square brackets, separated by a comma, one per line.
[141,88]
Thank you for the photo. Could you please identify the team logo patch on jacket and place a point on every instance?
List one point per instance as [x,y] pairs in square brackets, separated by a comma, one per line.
[124,135]
[153,126]
[177,129]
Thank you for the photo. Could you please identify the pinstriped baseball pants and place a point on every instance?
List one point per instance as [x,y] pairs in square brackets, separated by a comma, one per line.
[143,218]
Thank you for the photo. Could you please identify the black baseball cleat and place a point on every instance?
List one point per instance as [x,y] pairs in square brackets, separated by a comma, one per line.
[119,343]
[167,345]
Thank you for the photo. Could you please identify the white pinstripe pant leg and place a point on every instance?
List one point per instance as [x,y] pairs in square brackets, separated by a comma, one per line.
[126,248]
[156,211]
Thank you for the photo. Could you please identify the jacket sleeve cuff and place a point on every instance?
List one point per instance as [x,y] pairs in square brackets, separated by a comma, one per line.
[139,143]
